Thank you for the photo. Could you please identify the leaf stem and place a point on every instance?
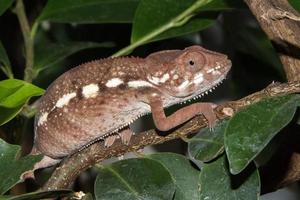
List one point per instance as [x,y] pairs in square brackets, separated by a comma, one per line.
[28,40]
[34,29]
[179,20]
[7,71]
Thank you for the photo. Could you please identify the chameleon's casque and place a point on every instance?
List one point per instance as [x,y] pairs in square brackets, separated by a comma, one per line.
[98,98]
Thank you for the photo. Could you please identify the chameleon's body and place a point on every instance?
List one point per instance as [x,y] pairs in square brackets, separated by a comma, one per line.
[96,100]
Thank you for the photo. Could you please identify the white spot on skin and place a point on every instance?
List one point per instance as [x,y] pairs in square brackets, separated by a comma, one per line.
[139,83]
[43,118]
[157,80]
[198,78]
[210,70]
[64,100]
[183,85]
[154,80]
[164,78]
[175,77]
[90,90]
[114,82]
[216,72]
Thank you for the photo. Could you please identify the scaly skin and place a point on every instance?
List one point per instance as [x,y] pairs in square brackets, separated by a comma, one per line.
[96,100]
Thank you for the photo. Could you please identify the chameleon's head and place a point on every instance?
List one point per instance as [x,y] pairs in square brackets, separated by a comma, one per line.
[188,72]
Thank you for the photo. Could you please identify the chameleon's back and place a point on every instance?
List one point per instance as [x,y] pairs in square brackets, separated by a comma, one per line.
[85,103]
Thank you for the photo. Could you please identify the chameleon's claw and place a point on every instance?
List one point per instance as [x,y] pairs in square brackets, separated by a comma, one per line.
[211,125]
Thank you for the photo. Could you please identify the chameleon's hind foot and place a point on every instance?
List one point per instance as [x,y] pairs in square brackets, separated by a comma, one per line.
[110,140]
[126,136]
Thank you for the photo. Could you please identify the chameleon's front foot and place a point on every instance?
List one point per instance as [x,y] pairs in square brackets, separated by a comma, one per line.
[165,123]
[209,114]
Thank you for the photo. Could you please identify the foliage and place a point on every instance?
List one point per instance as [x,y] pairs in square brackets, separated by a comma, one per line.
[13,96]
[221,162]
[11,167]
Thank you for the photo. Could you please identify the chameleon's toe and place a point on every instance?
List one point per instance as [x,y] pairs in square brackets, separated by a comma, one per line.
[110,140]
[126,136]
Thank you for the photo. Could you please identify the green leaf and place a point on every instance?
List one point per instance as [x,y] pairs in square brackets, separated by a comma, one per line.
[194,25]
[207,145]
[4,5]
[47,57]
[157,16]
[295,4]
[8,114]
[4,62]
[13,95]
[153,15]
[251,129]
[41,195]
[220,5]
[138,178]
[161,19]
[183,174]
[89,11]
[3,197]
[11,168]
[14,92]
[217,183]
[3,56]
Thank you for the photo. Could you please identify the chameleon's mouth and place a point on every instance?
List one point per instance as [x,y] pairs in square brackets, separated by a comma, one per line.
[196,96]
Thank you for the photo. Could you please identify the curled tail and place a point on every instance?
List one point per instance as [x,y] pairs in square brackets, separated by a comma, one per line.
[45,162]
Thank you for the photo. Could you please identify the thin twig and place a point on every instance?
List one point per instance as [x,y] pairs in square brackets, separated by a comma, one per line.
[28,40]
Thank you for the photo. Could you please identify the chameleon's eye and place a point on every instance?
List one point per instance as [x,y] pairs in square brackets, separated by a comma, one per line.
[191,62]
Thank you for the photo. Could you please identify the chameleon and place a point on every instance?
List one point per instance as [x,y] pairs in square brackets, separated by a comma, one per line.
[99,99]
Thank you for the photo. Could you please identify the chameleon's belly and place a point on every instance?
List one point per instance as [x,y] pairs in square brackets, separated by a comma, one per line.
[67,130]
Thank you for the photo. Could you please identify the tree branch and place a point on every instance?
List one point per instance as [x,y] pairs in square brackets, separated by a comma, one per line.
[281,23]
[72,166]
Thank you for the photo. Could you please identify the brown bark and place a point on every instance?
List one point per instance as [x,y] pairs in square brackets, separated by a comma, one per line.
[281,23]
